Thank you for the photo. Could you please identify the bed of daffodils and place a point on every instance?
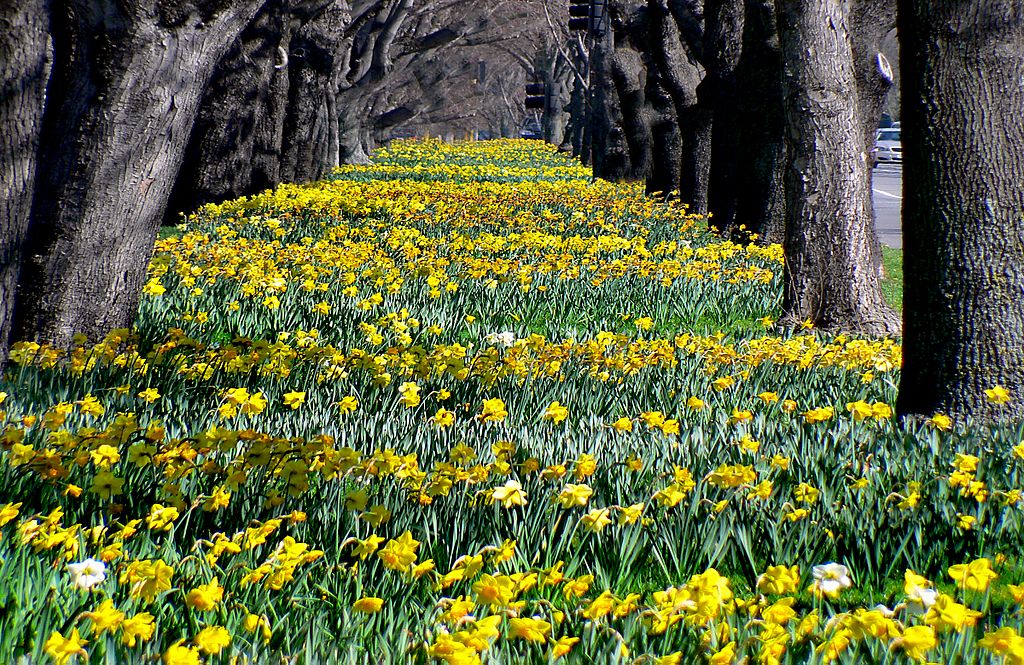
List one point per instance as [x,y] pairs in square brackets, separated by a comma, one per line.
[467,405]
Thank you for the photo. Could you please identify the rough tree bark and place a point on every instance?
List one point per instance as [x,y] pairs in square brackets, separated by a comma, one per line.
[666,142]
[829,278]
[309,128]
[871,21]
[558,80]
[760,128]
[962,80]
[609,151]
[578,120]
[723,46]
[668,82]
[629,77]
[622,117]
[266,115]
[235,145]
[126,83]
[24,71]
[676,32]
[363,65]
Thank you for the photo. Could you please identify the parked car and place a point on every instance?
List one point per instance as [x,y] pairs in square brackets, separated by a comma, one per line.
[532,130]
[888,147]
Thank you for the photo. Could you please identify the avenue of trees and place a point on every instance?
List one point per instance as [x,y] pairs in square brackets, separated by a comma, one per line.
[763,114]
[116,117]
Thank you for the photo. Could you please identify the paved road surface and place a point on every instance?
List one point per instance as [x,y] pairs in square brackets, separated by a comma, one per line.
[888,199]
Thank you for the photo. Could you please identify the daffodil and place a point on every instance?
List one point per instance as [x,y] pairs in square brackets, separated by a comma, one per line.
[830,579]
[510,494]
[368,605]
[555,412]
[399,554]
[529,629]
[572,495]
[88,573]
[62,649]
[205,597]
[973,576]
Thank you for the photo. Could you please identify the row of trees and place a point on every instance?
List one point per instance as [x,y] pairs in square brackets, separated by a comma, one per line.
[718,101]
[117,116]
[763,114]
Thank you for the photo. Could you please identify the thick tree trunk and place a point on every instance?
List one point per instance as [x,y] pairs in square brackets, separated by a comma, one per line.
[681,75]
[266,116]
[350,134]
[695,123]
[577,119]
[630,76]
[830,278]
[723,35]
[962,67]
[235,146]
[871,21]
[333,129]
[558,79]
[24,72]
[610,152]
[307,150]
[760,128]
[666,143]
[126,85]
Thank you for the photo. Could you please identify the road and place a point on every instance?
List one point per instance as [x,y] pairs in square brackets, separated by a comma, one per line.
[888,199]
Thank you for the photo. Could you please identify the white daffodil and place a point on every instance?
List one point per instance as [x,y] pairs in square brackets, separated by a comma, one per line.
[87,574]
[505,339]
[920,599]
[831,578]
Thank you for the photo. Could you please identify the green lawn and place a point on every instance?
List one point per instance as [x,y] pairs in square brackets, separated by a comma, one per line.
[892,284]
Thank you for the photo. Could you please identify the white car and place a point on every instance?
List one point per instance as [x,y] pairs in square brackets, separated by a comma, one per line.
[888,147]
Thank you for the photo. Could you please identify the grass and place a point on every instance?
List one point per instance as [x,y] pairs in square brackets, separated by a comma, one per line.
[892,283]
[167,232]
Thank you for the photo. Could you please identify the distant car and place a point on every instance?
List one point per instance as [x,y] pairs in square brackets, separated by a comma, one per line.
[531,133]
[888,148]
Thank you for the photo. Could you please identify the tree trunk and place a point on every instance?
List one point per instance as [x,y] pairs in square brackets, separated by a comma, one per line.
[629,77]
[870,22]
[350,135]
[24,72]
[760,128]
[695,122]
[235,146]
[313,60]
[333,130]
[558,77]
[723,34]
[830,279]
[126,85]
[266,116]
[962,67]
[608,142]
[666,143]
[577,119]
[681,75]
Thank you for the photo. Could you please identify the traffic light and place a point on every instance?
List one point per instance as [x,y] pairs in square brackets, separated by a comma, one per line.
[579,14]
[536,97]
